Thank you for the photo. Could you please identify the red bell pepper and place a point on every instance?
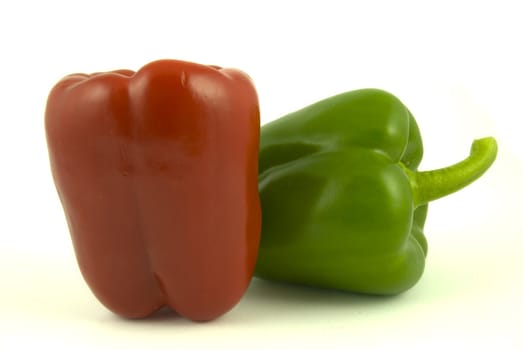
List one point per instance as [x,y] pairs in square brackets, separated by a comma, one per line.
[157,174]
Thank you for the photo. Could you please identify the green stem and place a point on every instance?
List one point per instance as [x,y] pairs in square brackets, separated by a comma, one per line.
[431,185]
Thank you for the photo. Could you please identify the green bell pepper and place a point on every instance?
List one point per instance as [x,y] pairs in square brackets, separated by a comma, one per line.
[343,204]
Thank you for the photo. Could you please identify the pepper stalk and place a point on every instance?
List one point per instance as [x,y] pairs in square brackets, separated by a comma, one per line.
[430,185]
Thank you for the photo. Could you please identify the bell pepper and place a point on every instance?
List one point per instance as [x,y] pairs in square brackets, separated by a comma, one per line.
[343,204]
[157,174]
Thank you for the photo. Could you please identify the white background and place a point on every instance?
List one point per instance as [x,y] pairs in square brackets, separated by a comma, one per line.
[456,65]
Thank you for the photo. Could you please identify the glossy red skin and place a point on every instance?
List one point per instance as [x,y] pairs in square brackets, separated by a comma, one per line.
[157,174]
